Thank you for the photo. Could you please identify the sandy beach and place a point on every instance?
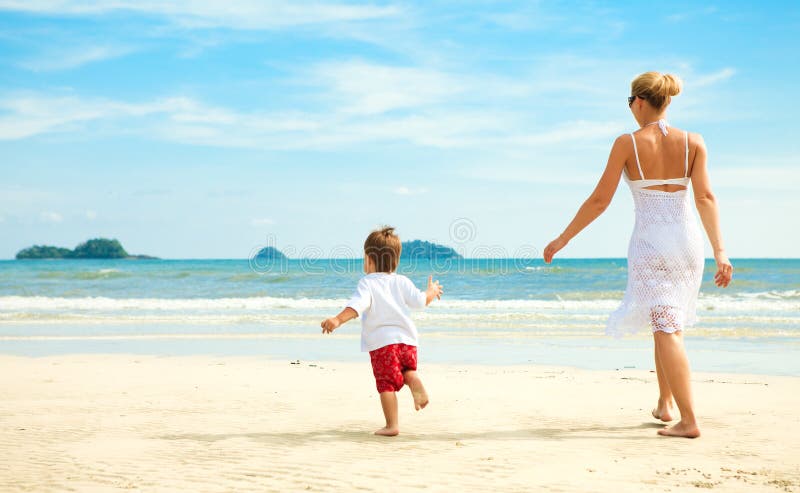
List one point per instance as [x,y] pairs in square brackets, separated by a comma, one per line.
[105,422]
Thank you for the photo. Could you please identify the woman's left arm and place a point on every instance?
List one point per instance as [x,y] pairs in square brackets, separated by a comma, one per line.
[598,201]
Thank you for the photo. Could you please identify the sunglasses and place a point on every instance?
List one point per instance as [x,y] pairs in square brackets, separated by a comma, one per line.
[631,99]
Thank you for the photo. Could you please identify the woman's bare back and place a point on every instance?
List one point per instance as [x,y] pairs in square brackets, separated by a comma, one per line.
[660,156]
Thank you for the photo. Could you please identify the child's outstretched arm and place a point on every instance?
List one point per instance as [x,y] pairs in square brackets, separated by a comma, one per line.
[434,291]
[330,324]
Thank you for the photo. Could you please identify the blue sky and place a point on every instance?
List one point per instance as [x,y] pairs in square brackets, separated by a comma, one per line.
[198,129]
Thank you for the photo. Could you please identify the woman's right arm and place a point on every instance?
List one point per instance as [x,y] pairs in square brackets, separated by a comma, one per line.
[598,201]
[706,204]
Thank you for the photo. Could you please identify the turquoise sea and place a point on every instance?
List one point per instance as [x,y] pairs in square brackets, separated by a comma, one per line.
[495,311]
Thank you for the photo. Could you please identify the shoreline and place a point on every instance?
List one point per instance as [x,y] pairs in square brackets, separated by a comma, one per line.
[221,423]
[760,356]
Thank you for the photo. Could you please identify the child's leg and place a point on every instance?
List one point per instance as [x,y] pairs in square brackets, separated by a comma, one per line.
[411,378]
[389,405]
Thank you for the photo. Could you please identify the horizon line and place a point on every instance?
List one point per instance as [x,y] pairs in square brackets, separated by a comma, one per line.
[360,258]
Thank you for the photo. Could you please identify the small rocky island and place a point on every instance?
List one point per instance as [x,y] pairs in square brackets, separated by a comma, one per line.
[425,250]
[269,254]
[97,248]
[412,250]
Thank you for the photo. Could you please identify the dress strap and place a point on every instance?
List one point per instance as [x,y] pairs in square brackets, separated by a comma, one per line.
[636,153]
[686,162]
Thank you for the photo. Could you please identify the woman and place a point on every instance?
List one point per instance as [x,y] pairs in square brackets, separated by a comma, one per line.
[665,254]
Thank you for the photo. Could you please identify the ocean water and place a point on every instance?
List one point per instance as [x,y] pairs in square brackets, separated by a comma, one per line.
[495,311]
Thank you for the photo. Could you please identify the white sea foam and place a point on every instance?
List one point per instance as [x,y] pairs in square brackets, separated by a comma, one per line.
[481,333]
[774,302]
[43,303]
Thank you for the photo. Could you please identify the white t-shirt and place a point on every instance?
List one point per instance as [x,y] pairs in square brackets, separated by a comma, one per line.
[383,301]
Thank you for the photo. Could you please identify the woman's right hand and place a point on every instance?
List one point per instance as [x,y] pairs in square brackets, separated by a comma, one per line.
[552,248]
[724,270]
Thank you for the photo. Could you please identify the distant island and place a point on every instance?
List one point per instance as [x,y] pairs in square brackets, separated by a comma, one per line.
[425,250]
[97,248]
[412,250]
[269,254]
[103,248]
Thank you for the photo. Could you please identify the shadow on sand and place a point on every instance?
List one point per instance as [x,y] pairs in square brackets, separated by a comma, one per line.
[365,436]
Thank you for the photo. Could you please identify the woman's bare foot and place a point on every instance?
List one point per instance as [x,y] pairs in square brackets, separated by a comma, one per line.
[388,432]
[681,429]
[663,411]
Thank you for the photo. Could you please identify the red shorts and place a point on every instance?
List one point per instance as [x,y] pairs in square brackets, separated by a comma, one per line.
[389,363]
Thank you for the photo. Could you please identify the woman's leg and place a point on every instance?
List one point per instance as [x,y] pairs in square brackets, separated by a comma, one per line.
[663,410]
[675,366]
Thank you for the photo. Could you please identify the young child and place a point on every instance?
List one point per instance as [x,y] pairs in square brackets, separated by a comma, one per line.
[382,300]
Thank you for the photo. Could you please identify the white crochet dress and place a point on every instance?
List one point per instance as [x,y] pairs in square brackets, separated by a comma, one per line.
[665,258]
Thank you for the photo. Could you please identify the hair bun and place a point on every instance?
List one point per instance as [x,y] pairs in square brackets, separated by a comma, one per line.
[671,85]
[656,88]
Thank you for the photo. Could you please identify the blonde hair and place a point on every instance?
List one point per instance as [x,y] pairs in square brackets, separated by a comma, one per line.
[383,246]
[656,88]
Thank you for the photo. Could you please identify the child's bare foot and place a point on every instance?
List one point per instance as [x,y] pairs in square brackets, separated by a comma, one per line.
[420,397]
[417,390]
[388,432]
[681,429]
[663,411]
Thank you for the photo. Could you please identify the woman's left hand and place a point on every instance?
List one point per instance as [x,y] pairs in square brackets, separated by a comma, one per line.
[553,247]
[724,270]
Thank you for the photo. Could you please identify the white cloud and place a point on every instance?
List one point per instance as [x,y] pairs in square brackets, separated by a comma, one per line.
[234,14]
[74,58]
[16,198]
[559,99]
[188,121]
[691,14]
[779,172]
[409,191]
[264,221]
[520,21]
[582,18]
[50,217]
[677,17]
[577,131]
[713,78]
[368,88]
[32,114]
[537,172]
[771,178]
[91,215]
